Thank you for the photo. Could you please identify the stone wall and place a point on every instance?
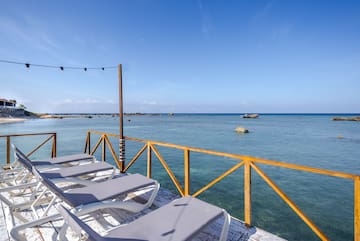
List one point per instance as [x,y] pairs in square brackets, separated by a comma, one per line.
[14,112]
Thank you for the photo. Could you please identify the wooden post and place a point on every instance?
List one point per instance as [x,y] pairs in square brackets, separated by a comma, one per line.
[247,192]
[8,150]
[53,153]
[357,208]
[121,117]
[149,167]
[103,152]
[186,172]
[89,143]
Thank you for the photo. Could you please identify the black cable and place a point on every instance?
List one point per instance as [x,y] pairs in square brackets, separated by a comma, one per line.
[28,65]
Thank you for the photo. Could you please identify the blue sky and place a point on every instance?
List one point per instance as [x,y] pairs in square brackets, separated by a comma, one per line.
[183,56]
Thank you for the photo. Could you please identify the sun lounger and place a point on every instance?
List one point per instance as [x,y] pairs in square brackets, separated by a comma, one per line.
[179,220]
[22,159]
[65,174]
[96,196]
[16,171]
[59,170]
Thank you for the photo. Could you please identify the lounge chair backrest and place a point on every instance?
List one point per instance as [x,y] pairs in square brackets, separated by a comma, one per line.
[22,158]
[77,225]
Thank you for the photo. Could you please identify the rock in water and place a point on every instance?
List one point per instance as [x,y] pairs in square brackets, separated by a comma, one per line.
[240,129]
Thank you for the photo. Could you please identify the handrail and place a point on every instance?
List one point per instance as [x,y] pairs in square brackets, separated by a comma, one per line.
[248,162]
[51,136]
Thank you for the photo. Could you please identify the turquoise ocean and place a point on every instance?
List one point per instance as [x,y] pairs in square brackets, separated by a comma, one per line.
[306,139]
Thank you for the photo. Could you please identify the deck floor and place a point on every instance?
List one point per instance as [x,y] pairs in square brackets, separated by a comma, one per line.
[108,218]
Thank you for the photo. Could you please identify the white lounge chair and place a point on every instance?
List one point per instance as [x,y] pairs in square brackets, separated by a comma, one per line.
[179,220]
[96,196]
[57,175]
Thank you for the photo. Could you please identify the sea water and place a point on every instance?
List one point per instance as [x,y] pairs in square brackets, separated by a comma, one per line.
[310,140]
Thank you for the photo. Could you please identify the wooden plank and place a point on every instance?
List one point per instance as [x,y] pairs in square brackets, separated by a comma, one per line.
[29,134]
[8,151]
[112,151]
[168,170]
[103,151]
[97,145]
[54,146]
[247,192]
[149,166]
[186,172]
[357,209]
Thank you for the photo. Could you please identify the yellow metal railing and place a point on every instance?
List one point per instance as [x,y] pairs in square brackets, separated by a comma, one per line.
[249,163]
[50,136]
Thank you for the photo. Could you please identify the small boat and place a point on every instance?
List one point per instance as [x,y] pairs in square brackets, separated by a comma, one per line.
[250,116]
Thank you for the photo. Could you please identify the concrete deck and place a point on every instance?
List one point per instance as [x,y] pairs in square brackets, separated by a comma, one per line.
[109,218]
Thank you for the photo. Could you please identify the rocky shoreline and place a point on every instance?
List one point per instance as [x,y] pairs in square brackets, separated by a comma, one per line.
[351,118]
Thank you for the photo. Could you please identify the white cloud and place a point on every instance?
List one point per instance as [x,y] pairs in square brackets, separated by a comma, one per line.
[282,31]
[150,102]
[263,12]
[205,18]
[84,101]
[24,31]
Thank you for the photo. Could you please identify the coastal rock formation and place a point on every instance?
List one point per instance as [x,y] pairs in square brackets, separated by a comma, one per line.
[352,118]
[240,129]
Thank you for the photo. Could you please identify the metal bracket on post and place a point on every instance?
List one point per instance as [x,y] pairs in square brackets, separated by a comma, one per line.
[122,154]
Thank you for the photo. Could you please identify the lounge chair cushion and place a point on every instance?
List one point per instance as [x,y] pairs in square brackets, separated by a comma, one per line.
[64,159]
[79,170]
[179,220]
[99,191]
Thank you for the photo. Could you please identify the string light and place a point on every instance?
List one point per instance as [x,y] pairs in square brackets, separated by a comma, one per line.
[62,68]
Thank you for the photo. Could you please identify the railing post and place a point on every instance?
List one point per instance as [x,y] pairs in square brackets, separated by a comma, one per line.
[149,160]
[357,208]
[53,151]
[247,192]
[103,152]
[89,142]
[186,172]
[8,150]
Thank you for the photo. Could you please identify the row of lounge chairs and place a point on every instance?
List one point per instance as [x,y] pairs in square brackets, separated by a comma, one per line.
[181,219]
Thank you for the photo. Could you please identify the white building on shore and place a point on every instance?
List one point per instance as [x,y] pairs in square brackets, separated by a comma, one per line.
[4,103]
[8,108]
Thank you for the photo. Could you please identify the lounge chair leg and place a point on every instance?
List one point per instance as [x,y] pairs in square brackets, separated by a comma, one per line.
[226,226]
[32,197]
[49,206]
[15,232]
[33,205]
[62,232]
[153,196]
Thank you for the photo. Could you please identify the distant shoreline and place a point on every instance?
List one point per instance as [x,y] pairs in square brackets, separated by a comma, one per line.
[9,120]
[30,115]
